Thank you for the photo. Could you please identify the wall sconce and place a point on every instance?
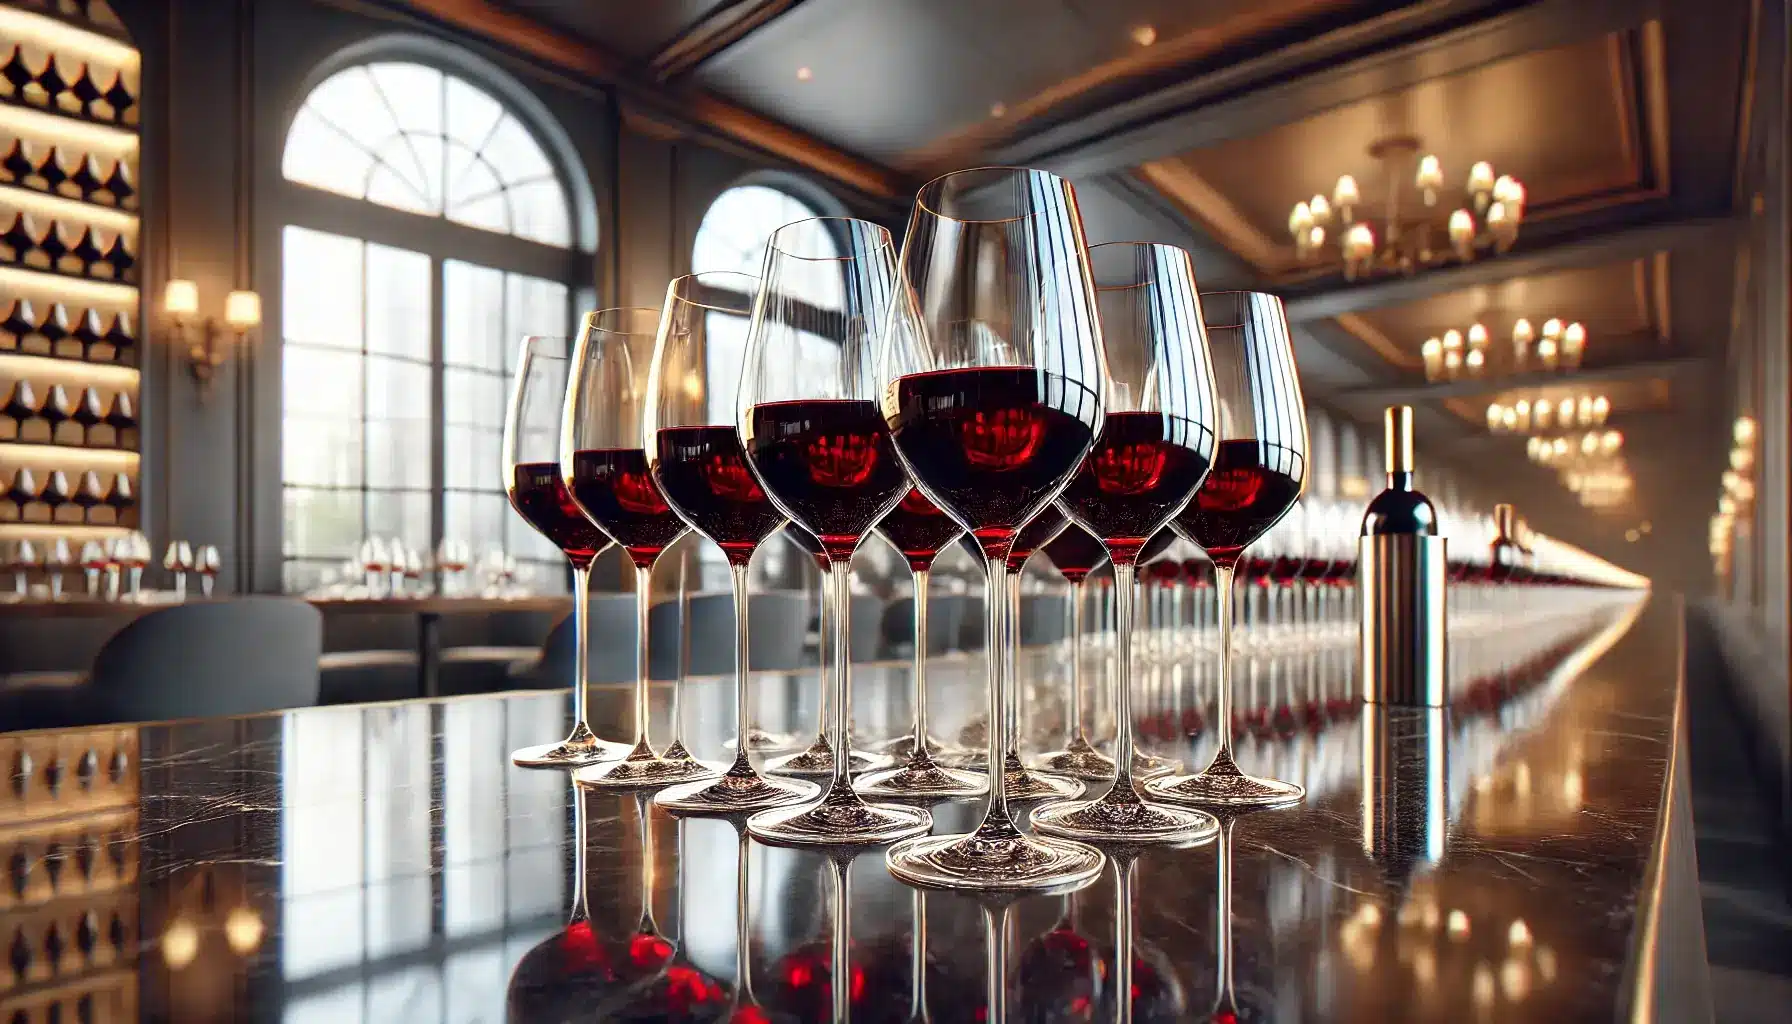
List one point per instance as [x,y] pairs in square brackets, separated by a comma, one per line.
[180,303]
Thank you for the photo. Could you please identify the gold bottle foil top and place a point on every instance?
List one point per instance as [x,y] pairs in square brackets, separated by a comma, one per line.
[1397,422]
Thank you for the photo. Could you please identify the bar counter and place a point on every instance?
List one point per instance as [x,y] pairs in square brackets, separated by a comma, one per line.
[1522,856]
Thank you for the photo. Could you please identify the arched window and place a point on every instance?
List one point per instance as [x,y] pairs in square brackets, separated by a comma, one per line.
[431,230]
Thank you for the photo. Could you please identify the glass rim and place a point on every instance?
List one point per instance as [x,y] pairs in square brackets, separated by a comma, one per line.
[884,240]
[1136,244]
[1222,292]
[1012,170]
[699,277]
[598,321]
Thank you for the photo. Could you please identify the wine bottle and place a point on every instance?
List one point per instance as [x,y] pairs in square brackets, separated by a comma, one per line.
[17,166]
[121,185]
[19,409]
[122,418]
[61,176]
[89,413]
[53,84]
[86,92]
[121,336]
[10,510]
[20,322]
[90,179]
[21,492]
[48,247]
[33,91]
[88,250]
[62,250]
[53,331]
[1400,508]
[123,264]
[15,75]
[90,495]
[55,491]
[90,331]
[123,494]
[58,411]
[123,104]
[17,240]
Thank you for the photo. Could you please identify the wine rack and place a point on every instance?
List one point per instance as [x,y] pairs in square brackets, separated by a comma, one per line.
[70,238]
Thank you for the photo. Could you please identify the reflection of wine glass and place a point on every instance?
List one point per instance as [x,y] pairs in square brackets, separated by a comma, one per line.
[1061,976]
[1145,984]
[178,559]
[605,465]
[57,559]
[1258,471]
[1076,555]
[208,561]
[93,564]
[822,451]
[1152,455]
[374,560]
[919,530]
[25,558]
[992,386]
[537,491]
[703,473]
[452,557]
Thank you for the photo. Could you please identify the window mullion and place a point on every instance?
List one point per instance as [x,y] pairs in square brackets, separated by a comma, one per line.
[437,401]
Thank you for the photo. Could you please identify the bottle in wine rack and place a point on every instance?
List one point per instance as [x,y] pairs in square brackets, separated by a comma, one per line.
[19,409]
[16,166]
[86,92]
[19,323]
[88,414]
[52,83]
[122,418]
[33,91]
[120,259]
[122,186]
[61,174]
[123,104]
[47,245]
[18,240]
[15,74]
[121,336]
[88,250]
[61,249]
[120,499]
[58,411]
[50,171]
[90,495]
[90,179]
[21,493]
[90,331]
[60,497]
[54,330]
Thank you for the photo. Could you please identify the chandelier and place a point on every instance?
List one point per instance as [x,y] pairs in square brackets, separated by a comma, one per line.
[1569,451]
[1589,465]
[1525,416]
[1456,354]
[1402,240]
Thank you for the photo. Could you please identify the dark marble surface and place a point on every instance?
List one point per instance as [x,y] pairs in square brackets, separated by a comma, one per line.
[387,864]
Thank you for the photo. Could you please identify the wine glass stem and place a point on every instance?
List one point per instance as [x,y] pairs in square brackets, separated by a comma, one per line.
[1076,662]
[737,573]
[995,951]
[648,867]
[643,605]
[920,751]
[842,961]
[743,953]
[996,816]
[824,631]
[839,594]
[1123,955]
[1011,662]
[580,909]
[1222,575]
[1224,924]
[1123,595]
[581,644]
[917,954]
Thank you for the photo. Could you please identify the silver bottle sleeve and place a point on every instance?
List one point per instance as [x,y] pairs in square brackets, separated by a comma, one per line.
[1401,581]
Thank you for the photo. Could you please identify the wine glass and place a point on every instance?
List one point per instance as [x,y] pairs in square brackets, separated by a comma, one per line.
[452,557]
[93,565]
[992,379]
[1153,452]
[208,562]
[25,557]
[1024,783]
[538,493]
[1258,471]
[57,559]
[700,468]
[603,462]
[374,560]
[1075,554]
[919,530]
[820,448]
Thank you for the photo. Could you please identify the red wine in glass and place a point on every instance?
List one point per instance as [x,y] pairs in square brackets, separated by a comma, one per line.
[539,495]
[615,488]
[918,529]
[1157,545]
[830,463]
[704,475]
[1075,553]
[1142,470]
[1250,487]
[992,444]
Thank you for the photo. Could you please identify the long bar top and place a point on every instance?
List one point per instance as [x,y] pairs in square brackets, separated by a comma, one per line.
[1514,858]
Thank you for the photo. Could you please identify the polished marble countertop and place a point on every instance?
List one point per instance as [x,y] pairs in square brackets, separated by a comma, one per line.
[385,863]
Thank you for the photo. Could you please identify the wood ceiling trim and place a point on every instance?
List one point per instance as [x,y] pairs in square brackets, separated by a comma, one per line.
[1669,369]
[716,31]
[527,36]
[1200,202]
[1382,345]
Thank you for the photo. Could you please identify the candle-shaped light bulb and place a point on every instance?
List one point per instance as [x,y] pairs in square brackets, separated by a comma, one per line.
[1496,416]
[1611,441]
[1602,407]
[1546,353]
[1300,221]
[1540,413]
[1552,329]
[1320,208]
[1475,360]
[1359,242]
[1584,408]
[1345,195]
[1480,178]
[1315,238]
[1522,335]
[1589,444]
[1744,431]
[1429,178]
[1523,409]
[1462,228]
[1574,338]
[1452,340]
[1477,336]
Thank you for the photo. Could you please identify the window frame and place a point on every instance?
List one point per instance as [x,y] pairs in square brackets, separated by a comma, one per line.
[439,240]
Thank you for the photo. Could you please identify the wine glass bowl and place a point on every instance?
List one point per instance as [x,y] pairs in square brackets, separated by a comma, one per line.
[1152,455]
[603,460]
[702,472]
[992,379]
[537,492]
[1258,472]
[809,421]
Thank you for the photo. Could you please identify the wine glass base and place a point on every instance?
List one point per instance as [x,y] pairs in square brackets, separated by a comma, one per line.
[903,747]
[924,780]
[839,822]
[1079,760]
[1150,766]
[818,762]
[733,794]
[649,772]
[1126,821]
[759,741]
[1028,786]
[567,754]
[1004,863]
[1223,788]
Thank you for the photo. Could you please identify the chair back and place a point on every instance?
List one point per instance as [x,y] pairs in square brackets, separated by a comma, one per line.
[775,621]
[237,657]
